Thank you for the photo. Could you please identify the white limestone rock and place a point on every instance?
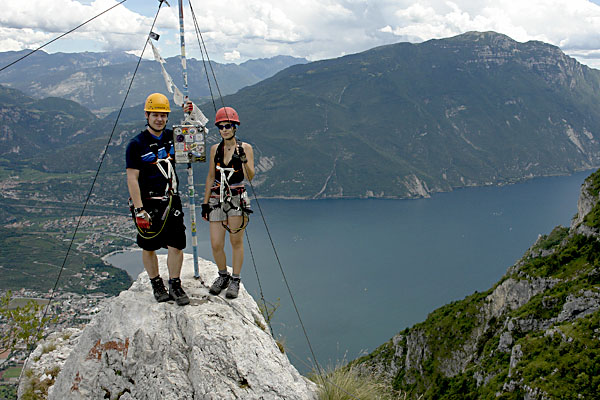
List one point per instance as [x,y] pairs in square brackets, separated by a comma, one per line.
[46,361]
[579,306]
[214,348]
[515,356]
[506,340]
[585,204]
[512,294]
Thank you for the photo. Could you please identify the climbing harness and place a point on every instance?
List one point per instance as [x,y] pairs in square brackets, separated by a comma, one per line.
[226,193]
[155,213]
[154,204]
[224,188]
[171,187]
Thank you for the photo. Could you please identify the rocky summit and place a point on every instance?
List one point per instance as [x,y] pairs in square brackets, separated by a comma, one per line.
[136,348]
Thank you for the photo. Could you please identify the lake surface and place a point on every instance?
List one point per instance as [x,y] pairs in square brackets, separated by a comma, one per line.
[361,271]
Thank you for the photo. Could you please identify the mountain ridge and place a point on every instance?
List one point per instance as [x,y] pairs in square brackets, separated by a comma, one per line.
[441,114]
[399,121]
[91,78]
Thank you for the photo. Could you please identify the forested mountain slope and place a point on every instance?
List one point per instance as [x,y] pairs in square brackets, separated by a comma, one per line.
[534,335]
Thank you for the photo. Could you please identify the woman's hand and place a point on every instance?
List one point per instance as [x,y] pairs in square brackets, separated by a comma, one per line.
[205,211]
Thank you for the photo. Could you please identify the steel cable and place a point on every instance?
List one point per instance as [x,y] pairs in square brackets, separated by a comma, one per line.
[63,35]
[105,151]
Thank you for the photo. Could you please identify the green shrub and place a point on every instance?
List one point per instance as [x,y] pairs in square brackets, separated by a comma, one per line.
[553,239]
[563,366]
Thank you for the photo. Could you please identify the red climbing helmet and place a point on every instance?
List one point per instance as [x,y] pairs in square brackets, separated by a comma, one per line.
[227,114]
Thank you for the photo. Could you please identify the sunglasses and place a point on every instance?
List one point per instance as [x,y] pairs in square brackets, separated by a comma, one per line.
[226,126]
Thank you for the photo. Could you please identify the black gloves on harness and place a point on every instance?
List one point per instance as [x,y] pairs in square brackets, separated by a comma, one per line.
[205,211]
[241,154]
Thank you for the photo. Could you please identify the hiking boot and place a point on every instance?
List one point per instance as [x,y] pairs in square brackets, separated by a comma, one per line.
[234,288]
[177,293]
[159,289]
[220,283]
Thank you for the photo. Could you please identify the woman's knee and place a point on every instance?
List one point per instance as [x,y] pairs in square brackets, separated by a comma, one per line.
[217,245]
[237,240]
[217,236]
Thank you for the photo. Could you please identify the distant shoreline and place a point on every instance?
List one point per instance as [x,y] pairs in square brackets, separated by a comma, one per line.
[125,250]
[514,181]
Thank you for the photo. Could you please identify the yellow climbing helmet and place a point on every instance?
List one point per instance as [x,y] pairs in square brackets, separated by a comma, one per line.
[157,102]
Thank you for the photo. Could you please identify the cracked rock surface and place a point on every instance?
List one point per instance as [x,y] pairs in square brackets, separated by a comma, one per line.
[214,348]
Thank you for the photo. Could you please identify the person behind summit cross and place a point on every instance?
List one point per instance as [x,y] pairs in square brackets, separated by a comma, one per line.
[226,203]
[155,203]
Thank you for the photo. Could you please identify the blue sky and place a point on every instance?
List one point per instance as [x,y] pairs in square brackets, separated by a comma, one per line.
[238,30]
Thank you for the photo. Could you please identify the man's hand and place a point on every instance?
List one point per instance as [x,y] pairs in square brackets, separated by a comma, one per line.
[142,219]
[188,107]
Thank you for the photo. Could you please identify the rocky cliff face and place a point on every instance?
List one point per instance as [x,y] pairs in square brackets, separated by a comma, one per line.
[588,201]
[136,348]
[534,335]
[549,61]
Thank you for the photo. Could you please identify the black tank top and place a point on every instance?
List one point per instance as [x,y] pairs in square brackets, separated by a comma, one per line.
[235,163]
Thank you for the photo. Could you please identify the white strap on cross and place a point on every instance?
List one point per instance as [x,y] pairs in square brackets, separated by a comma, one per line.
[167,174]
[225,175]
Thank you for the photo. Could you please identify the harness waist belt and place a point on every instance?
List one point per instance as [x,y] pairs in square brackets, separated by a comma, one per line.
[234,190]
[165,197]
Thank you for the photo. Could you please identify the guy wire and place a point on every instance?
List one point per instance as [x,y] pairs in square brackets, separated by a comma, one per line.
[320,370]
[258,204]
[262,296]
[285,278]
[64,34]
[199,34]
[91,189]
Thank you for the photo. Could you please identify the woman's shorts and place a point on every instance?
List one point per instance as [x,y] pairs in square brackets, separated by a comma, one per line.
[218,213]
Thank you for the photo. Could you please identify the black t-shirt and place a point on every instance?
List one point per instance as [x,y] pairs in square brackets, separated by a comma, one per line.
[142,153]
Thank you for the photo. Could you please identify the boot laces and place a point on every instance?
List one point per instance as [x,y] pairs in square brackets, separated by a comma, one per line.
[222,280]
[178,291]
[176,288]
[158,286]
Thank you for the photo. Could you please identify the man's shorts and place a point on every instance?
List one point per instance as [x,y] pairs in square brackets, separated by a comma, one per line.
[173,231]
[218,214]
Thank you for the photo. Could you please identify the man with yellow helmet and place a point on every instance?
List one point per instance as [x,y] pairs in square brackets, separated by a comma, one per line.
[155,203]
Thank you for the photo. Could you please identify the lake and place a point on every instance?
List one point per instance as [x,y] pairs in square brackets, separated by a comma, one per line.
[361,271]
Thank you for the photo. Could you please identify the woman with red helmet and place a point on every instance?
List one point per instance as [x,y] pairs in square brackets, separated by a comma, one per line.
[226,205]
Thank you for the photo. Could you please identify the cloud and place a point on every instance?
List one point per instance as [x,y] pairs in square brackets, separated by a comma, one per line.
[59,16]
[232,56]
[570,24]
[573,25]
[24,26]
[11,40]
[237,30]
